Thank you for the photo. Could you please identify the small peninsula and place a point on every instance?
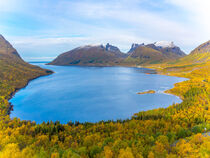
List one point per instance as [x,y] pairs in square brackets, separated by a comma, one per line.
[147,92]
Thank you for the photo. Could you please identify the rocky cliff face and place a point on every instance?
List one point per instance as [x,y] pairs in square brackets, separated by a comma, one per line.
[115,50]
[134,46]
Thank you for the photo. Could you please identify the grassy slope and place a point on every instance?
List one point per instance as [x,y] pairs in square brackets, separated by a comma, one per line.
[146,56]
[90,57]
[15,74]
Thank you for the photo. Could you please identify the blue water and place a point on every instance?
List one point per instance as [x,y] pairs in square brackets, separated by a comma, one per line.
[91,94]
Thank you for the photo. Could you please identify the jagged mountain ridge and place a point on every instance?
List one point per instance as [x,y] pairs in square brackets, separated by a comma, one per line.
[167,48]
[134,46]
[90,55]
[109,55]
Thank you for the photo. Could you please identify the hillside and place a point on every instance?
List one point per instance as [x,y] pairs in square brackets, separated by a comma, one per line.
[144,55]
[158,52]
[203,48]
[7,50]
[14,72]
[90,55]
[198,58]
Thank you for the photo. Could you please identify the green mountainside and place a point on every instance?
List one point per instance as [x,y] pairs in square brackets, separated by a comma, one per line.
[14,72]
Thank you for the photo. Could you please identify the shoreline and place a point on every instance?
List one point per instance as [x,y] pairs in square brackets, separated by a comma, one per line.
[51,72]
[12,94]
[128,66]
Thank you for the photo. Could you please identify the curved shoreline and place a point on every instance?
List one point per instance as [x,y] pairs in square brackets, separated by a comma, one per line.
[12,94]
[154,70]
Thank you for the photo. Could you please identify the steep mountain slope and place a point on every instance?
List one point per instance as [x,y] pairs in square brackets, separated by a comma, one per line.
[144,54]
[197,60]
[134,46]
[199,55]
[14,72]
[115,50]
[168,48]
[90,55]
[203,48]
[7,50]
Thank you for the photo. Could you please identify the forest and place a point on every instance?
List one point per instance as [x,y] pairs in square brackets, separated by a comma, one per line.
[181,130]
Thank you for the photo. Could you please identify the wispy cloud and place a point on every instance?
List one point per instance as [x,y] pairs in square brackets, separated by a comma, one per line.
[42,28]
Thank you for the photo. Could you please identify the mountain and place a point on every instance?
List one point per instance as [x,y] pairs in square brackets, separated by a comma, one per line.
[199,55]
[144,55]
[91,55]
[99,55]
[153,53]
[14,70]
[7,50]
[203,48]
[134,46]
[167,48]
[164,44]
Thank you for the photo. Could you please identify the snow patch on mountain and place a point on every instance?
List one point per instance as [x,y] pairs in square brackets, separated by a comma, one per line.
[91,46]
[164,44]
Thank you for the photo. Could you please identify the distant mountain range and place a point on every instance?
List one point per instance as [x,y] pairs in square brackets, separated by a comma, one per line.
[109,55]
[99,55]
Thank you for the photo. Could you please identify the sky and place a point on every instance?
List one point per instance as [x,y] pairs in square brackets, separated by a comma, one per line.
[42,29]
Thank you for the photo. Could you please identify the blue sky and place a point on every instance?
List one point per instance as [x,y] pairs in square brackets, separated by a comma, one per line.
[42,29]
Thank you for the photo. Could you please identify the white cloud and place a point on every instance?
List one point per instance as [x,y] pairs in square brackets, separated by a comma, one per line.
[199,14]
[118,22]
[147,24]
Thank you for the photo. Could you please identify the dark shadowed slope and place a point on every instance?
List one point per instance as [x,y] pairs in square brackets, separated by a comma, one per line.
[90,55]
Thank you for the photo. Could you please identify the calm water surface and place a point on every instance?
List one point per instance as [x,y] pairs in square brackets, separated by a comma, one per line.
[91,94]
